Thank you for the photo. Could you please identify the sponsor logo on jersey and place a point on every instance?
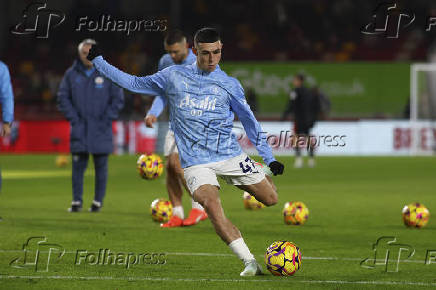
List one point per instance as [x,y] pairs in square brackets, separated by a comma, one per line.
[192,103]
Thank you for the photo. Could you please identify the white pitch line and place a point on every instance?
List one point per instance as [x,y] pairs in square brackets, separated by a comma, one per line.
[290,281]
[200,254]
[232,255]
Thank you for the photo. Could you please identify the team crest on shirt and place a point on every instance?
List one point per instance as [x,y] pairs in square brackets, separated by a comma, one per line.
[99,82]
[215,90]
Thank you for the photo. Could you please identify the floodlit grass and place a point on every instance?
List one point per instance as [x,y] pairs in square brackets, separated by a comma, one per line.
[352,202]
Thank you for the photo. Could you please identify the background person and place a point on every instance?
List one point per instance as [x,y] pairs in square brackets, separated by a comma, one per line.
[305,107]
[90,102]
[178,53]
[325,104]
[7,104]
[6,100]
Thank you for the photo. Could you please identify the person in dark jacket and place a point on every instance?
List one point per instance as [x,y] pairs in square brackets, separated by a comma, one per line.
[90,102]
[305,107]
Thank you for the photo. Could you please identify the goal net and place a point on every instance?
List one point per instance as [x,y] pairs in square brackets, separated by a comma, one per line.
[423,109]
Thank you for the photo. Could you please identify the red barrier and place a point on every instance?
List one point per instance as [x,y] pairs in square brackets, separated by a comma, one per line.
[54,136]
[37,136]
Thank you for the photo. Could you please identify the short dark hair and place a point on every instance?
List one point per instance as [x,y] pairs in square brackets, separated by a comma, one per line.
[206,35]
[174,36]
[301,77]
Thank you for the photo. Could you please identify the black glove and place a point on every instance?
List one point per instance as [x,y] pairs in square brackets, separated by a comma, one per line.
[94,51]
[276,168]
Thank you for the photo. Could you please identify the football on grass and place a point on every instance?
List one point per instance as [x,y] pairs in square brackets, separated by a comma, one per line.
[161,210]
[283,258]
[149,166]
[295,213]
[415,215]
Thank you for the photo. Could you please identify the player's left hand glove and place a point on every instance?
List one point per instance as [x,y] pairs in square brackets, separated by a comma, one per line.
[94,51]
[276,168]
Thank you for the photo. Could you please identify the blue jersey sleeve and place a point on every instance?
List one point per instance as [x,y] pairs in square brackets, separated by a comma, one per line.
[6,94]
[251,125]
[150,85]
[159,102]
[158,105]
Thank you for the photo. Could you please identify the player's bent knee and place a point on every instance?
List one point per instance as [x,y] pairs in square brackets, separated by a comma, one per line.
[207,199]
[208,203]
[271,199]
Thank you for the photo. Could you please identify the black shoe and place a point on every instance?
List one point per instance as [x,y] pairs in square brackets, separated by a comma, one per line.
[76,206]
[95,207]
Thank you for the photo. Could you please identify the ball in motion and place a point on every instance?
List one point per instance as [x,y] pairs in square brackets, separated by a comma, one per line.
[251,203]
[149,166]
[283,258]
[161,210]
[416,215]
[295,213]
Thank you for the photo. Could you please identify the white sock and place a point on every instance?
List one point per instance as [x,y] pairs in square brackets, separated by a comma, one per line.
[178,211]
[241,250]
[196,204]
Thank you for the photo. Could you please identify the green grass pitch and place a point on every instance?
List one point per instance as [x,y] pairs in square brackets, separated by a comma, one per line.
[353,202]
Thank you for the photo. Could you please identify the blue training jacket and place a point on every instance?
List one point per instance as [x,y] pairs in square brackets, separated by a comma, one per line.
[6,94]
[202,107]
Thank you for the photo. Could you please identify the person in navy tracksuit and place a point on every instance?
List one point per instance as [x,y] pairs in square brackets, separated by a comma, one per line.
[90,102]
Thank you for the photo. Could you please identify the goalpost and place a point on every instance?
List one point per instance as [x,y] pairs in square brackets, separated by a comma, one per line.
[423,108]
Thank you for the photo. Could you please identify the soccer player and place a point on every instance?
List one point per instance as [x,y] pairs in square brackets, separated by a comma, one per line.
[179,53]
[202,101]
[7,103]
[6,100]
[306,107]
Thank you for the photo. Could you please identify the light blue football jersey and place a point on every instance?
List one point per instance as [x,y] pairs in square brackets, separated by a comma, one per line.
[202,107]
[165,61]
[6,94]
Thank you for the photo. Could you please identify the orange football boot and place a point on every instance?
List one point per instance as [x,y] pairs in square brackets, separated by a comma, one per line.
[174,221]
[195,216]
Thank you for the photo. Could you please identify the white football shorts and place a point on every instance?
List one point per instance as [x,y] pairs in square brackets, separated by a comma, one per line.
[170,144]
[239,170]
